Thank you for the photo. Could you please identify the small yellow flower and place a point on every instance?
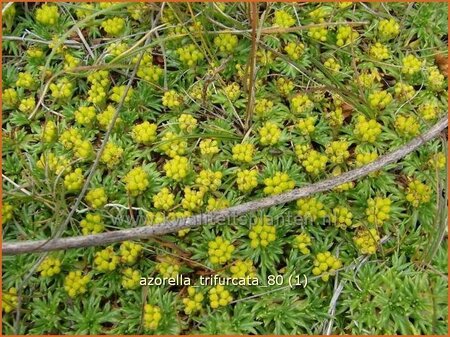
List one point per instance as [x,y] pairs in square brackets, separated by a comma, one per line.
[326,265]
[152,316]
[378,210]
[262,233]
[283,19]
[278,183]
[136,181]
[96,197]
[411,65]
[418,193]
[220,250]
[114,26]
[269,133]
[219,297]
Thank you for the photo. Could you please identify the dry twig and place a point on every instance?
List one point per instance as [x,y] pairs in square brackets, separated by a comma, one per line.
[13,248]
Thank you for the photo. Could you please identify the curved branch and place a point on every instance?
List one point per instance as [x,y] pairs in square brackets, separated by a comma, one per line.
[14,248]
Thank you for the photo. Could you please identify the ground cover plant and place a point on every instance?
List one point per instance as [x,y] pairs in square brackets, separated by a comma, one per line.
[119,115]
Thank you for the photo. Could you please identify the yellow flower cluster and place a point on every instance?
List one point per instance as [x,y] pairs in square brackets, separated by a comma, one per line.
[302,243]
[318,33]
[130,278]
[379,51]
[190,55]
[192,199]
[263,107]
[438,161]
[193,303]
[100,82]
[152,316]
[49,132]
[209,180]
[346,35]
[379,100]
[226,42]
[187,122]
[216,204]
[117,93]
[418,193]
[407,126]
[283,19]
[56,164]
[278,183]
[436,81]
[137,181]
[220,250]
[92,224]
[262,233]
[168,267]
[105,118]
[314,162]
[144,133]
[47,14]
[284,86]
[106,260]
[112,155]
[337,151]
[63,89]
[232,91]
[428,110]
[70,62]
[367,130]
[172,99]
[27,105]
[341,217]
[173,145]
[85,115]
[164,199]
[9,300]
[247,180]
[301,104]
[208,147]
[367,79]
[242,269]
[378,210]
[73,181]
[301,151]
[177,168]
[367,241]
[332,64]
[388,29]
[411,65]
[25,80]
[326,265]
[269,133]
[310,208]
[147,70]
[10,97]
[75,283]
[50,266]
[243,152]
[114,26]
[96,197]
[129,252]
[7,212]
[219,296]
[295,50]
[403,92]
[118,48]
[306,125]
[364,158]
